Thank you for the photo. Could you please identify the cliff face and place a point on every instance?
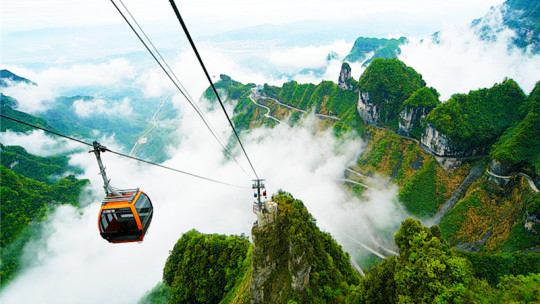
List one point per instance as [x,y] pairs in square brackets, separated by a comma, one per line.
[369,112]
[293,260]
[414,111]
[410,120]
[441,145]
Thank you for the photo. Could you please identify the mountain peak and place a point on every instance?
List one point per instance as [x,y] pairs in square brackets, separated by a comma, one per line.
[294,260]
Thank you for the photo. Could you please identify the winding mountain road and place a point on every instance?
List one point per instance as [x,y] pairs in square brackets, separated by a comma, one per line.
[254,95]
[513,174]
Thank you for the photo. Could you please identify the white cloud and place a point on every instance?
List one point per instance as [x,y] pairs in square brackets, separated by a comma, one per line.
[79,75]
[307,57]
[31,98]
[38,143]
[461,62]
[99,106]
[52,81]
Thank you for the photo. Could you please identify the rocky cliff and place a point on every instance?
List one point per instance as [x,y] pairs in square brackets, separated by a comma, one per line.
[442,145]
[369,111]
[414,111]
[410,119]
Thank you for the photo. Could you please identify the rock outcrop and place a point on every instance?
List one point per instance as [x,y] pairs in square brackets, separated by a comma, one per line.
[345,80]
[414,111]
[411,119]
[369,112]
[440,144]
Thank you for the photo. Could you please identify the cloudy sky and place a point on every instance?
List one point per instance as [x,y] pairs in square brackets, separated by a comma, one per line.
[56,31]
[220,16]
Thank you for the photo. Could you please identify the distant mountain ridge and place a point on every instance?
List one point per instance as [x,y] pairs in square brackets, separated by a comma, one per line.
[522,16]
[380,47]
[6,77]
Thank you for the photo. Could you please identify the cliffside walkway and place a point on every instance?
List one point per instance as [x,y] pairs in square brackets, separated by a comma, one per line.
[514,174]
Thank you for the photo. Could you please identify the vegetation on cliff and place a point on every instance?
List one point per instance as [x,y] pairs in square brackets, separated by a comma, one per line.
[428,270]
[477,119]
[491,218]
[519,146]
[203,268]
[389,82]
[310,266]
[424,184]
[419,104]
[325,98]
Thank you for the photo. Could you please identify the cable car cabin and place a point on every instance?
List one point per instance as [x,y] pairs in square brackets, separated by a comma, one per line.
[126,217]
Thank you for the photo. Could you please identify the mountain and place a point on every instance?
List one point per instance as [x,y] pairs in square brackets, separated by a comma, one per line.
[519,147]
[383,87]
[290,261]
[391,108]
[468,124]
[7,77]
[127,119]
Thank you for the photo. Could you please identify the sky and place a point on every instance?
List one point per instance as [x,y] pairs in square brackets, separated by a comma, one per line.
[218,15]
[83,46]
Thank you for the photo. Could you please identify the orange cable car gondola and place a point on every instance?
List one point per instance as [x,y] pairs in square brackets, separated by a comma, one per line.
[125,215]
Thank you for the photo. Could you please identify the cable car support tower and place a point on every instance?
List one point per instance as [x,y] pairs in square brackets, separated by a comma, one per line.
[258,187]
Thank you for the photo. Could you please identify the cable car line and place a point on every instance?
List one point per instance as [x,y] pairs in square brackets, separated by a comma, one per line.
[184,27]
[121,154]
[168,72]
[46,130]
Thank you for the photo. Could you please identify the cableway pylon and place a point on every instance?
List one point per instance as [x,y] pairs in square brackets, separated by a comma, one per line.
[260,190]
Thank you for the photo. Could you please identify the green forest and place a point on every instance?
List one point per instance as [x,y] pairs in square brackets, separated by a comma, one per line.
[519,146]
[27,201]
[479,118]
